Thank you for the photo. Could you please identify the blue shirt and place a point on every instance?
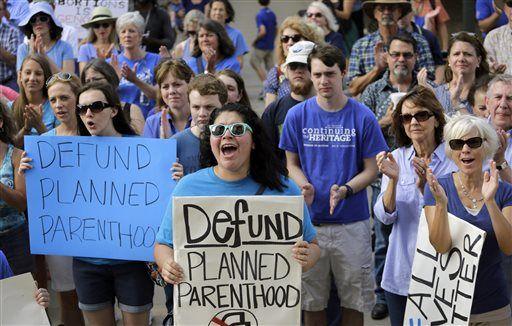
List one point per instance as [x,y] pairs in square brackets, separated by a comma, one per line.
[238,41]
[490,287]
[205,183]
[59,52]
[130,93]
[267,18]
[406,217]
[188,150]
[226,63]
[331,147]
[443,95]
[336,39]
[484,9]
[87,52]
[152,125]
[5,269]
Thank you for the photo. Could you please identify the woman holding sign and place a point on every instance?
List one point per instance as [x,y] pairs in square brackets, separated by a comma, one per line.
[239,161]
[418,122]
[480,199]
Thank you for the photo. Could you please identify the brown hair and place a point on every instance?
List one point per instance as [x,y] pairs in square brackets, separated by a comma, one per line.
[177,68]
[225,46]
[74,83]
[423,97]
[304,29]
[8,130]
[482,69]
[207,84]
[244,100]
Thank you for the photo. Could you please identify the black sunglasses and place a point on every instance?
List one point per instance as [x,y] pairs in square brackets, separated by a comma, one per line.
[41,18]
[295,38]
[457,144]
[420,116]
[98,25]
[406,55]
[297,65]
[95,107]
[316,15]
[191,33]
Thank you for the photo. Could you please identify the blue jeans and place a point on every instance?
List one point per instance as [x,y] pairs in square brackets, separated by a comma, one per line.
[396,307]
[382,232]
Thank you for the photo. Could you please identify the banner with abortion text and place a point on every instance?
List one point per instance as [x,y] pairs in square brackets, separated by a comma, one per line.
[78,12]
[442,285]
[100,197]
[236,255]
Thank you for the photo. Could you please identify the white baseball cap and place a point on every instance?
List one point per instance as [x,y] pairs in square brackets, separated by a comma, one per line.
[299,52]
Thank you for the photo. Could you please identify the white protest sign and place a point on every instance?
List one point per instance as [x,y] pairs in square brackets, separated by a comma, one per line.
[17,303]
[442,285]
[78,12]
[236,254]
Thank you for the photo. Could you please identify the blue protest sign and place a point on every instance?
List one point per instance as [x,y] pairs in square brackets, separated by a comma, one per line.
[100,197]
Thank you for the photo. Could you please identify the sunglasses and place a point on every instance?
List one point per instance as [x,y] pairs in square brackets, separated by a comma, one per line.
[457,144]
[95,107]
[316,15]
[406,55]
[40,19]
[297,65]
[98,25]
[236,129]
[420,116]
[62,76]
[295,38]
[191,33]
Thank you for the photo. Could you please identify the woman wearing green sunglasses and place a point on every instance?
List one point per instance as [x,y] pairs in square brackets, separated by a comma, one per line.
[237,159]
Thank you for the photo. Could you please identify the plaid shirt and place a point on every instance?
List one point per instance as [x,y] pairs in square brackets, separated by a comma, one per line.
[362,59]
[9,42]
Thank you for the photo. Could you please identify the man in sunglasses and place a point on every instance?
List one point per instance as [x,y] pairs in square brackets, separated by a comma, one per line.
[296,71]
[368,58]
[498,44]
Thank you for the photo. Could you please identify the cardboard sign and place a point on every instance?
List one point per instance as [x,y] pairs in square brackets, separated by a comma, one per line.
[442,285]
[100,197]
[78,12]
[236,253]
[17,303]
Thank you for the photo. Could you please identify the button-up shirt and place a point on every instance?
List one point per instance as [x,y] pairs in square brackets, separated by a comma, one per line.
[362,58]
[9,41]
[498,45]
[406,217]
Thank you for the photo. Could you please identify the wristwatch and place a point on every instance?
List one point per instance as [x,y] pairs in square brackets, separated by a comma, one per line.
[502,166]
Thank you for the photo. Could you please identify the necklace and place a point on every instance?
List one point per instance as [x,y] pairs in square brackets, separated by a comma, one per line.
[466,193]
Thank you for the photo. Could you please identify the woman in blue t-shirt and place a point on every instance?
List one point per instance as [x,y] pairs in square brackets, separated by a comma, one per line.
[238,160]
[480,199]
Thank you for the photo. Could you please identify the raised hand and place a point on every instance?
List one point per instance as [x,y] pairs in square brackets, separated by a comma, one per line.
[105,54]
[308,191]
[420,167]
[491,182]
[128,73]
[164,53]
[380,56]
[165,126]
[503,137]
[436,189]
[387,165]
[210,56]
[422,77]
[114,62]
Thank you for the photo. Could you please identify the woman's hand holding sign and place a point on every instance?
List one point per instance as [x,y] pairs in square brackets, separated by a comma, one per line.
[172,272]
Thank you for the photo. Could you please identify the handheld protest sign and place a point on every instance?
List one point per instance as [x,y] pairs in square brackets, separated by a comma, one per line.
[442,285]
[99,197]
[236,254]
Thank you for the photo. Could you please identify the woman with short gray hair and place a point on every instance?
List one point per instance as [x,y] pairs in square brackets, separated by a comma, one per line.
[481,199]
[320,15]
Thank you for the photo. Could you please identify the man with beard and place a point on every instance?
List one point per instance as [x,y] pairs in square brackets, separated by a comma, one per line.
[296,71]
[399,77]
[368,58]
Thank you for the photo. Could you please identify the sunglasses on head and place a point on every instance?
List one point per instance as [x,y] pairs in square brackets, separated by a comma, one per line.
[62,76]
[406,55]
[236,129]
[39,18]
[316,15]
[98,25]
[295,38]
[420,116]
[457,144]
[95,107]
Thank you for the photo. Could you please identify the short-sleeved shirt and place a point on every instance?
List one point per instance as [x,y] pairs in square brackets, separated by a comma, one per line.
[362,58]
[188,150]
[205,183]
[5,269]
[498,45]
[267,18]
[9,41]
[332,147]
[152,125]
[336,39]
[490,287]
[238,41]
[226,63]
[49,119]
[276,83]
[130,93]
[87,52]
[484,9]
[61,51]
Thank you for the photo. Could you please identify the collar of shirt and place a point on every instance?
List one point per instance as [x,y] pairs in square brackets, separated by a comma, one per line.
[437,156]
[173,128]
[385,83]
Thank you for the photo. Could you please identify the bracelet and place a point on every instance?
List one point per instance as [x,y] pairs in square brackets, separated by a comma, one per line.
[502,166]
[350,191]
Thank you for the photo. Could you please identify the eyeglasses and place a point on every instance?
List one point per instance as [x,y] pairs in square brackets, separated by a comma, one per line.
[236,129]
[95,107]
[62,76]
[297,65]
[39,18]
[295,38]
[316,15]
[457,144]
[406,55]
[420,116]
[98,25]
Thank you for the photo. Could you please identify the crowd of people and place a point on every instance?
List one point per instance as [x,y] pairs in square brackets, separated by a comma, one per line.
[397,113]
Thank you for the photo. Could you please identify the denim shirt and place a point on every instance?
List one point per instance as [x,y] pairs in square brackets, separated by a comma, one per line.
[406,217]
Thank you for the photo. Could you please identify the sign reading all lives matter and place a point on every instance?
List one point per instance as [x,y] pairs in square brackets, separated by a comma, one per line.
[236,255]
[101,197]
[442,285]
[78,12]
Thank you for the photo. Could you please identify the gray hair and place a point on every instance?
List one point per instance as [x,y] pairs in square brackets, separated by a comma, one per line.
[501,78]
[193,16]
[130,18]
[460,126]
[331,20]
